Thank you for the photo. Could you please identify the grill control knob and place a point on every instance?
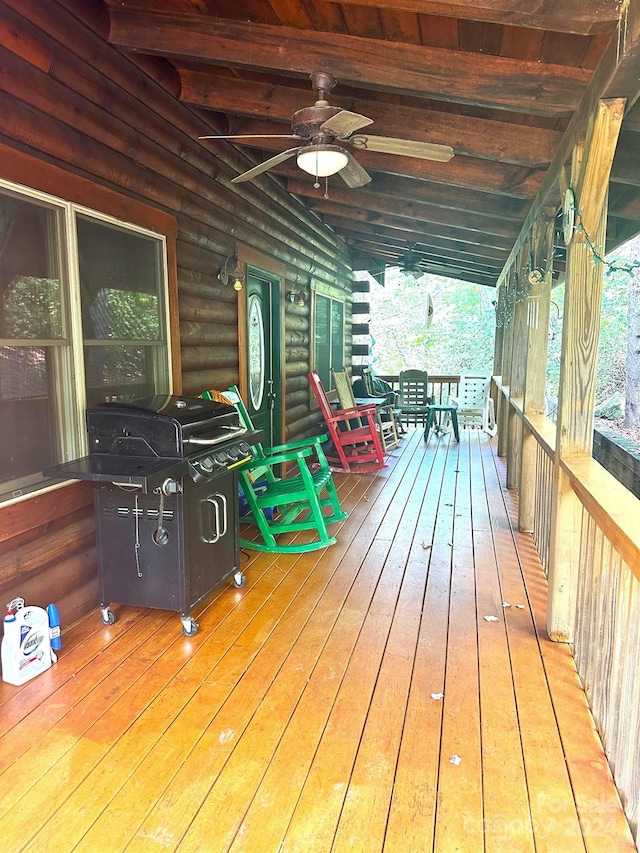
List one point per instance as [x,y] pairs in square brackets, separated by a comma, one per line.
[244,448]
[221,457]
[207,464]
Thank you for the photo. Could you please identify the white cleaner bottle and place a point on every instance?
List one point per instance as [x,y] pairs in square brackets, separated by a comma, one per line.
[26,643]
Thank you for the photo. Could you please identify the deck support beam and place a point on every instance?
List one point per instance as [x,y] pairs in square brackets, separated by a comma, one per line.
[518,366]
[538,304]
[591,167]
[508,303]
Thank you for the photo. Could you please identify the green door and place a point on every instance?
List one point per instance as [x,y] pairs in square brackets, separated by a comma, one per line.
[264,355]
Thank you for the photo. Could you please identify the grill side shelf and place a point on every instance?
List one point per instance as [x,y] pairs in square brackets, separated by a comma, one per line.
[144,472]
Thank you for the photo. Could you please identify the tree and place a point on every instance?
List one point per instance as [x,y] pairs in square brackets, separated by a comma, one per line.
[460,336]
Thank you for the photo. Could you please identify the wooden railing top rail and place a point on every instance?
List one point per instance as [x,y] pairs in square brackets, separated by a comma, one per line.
[544,430]
[436,378]
[541,426]
[612,506]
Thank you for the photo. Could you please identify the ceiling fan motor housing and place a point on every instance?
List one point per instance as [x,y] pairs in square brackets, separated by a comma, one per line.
[306,122]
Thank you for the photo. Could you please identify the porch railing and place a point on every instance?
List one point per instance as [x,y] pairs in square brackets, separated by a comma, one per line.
[606,636]
[441,386]
[544,432]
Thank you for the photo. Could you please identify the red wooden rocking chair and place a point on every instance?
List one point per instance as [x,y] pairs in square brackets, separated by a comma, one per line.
[358,448]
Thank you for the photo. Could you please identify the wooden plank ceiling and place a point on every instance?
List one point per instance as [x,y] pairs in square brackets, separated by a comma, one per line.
[497,80]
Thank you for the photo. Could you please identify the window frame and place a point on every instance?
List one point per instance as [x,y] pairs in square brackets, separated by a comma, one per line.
[31,179]
[327,381]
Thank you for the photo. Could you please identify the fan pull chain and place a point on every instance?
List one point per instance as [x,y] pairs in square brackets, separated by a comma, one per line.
[326,187]
[316,185]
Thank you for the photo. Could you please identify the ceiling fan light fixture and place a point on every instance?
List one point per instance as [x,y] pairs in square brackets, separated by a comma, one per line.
[322,160]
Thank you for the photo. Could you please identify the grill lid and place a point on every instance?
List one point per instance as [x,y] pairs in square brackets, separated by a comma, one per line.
[163,425]
[184,410]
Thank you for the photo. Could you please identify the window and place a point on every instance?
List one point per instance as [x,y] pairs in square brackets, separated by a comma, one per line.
[329,337]
[83,318]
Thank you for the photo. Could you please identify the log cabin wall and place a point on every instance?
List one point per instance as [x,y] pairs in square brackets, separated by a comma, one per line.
[70,100]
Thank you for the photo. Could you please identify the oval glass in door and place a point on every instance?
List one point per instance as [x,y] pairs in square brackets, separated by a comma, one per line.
[262,355]
[256,353]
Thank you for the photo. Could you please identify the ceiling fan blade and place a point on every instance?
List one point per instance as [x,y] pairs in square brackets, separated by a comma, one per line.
[353,174]
[262,167]
[253,136]
[404,147]
[344,123]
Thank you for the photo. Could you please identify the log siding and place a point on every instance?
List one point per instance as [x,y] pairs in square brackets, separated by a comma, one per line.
[70,101]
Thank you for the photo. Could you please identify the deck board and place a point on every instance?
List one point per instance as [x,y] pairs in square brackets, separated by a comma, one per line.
[507,817]
[302,715]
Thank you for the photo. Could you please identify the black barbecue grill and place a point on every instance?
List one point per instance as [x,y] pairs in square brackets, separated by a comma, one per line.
[166,498]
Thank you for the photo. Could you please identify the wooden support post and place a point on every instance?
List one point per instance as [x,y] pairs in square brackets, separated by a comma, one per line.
[518,366]
[499,338]
[507,349]
[498,349]
[578,364]
[536,362]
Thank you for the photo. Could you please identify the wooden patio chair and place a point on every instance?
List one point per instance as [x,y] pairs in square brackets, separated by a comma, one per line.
[289,504]
[473,402]
[384,413]
[414,397]
[354,449]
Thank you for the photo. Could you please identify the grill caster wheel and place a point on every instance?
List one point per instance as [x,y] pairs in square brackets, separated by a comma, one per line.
[189,627]
[107,616]
[239,580]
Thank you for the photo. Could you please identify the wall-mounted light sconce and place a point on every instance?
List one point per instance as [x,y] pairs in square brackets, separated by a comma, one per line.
[298,297]
[232,273]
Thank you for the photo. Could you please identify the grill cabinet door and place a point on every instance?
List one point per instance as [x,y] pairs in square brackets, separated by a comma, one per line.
[168,552]
[140,548]
[211,534]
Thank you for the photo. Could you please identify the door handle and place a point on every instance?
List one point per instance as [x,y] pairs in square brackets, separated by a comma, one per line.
[271,397]
[215,534]
[224,513]
[218,502]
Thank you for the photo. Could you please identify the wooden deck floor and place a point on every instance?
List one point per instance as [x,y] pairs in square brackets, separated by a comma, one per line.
[307,714]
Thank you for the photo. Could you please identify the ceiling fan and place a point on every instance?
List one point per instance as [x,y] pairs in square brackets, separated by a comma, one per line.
[410,263]
[320,126]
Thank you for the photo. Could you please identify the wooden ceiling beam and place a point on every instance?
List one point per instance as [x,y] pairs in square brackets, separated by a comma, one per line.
[455,198]
[440,257]
[498,178]
[626,162]
[417,210]
[581,17]
[632,119]
[408,226]
[429,242]
[474,137]
[409,69]
[624,202]
[450,271]
[403,218]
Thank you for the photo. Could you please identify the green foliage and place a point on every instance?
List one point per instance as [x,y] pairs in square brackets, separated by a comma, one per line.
[462,332]
[32,308]
[612,349]
[460,336]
